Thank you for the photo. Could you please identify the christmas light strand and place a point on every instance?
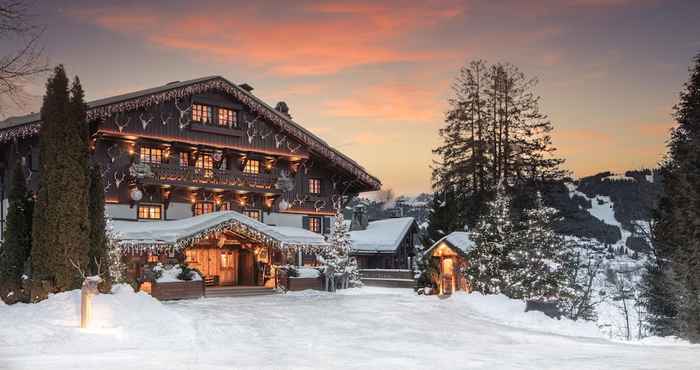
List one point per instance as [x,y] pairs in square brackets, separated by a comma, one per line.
[221,85]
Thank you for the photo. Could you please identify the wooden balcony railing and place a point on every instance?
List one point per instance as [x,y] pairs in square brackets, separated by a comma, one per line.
[192,176]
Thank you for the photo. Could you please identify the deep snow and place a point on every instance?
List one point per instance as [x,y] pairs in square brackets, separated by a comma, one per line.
[365,328]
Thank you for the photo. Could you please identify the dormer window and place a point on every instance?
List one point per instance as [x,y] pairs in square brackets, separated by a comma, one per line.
[227,118]
[202,113]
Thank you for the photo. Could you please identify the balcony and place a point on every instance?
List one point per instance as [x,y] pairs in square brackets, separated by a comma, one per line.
[213,178]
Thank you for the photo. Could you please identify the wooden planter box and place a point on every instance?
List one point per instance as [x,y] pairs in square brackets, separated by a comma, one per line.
[295,283]
[178,290]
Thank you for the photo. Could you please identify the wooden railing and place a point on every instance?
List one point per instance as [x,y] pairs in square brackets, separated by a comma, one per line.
[173,174]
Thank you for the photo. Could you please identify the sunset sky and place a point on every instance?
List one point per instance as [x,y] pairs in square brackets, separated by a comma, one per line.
[373,78]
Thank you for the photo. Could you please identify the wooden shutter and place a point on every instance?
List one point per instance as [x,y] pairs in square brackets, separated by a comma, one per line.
[326,225]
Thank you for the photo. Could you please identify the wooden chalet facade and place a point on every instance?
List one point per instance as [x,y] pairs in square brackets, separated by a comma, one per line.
[450,255]
[385,244]
[199,146]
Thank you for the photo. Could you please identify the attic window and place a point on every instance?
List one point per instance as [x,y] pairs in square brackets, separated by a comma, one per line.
[227,117]
[202,113]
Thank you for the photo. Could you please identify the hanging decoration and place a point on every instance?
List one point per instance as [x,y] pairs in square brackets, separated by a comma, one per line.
[145,122]
[293,148]
[218,156]
[218,84]
[283,205]
[136,194]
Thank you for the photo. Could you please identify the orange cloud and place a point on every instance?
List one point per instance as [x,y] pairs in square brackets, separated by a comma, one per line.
[655,129]
[313,40]
[391,102]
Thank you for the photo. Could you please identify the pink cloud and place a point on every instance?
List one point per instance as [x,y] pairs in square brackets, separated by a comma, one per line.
[314,40]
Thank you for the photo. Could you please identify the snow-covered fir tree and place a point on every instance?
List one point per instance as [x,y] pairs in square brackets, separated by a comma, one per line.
[338,256]
[539,256]
[490,269]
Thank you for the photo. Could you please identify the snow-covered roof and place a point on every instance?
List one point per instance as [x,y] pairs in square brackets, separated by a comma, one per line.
[382,235]
[185,232]
[458,239]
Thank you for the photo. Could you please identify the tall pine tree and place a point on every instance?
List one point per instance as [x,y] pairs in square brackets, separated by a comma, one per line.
[98,252]
[60,231]
[16,248]
[672,285]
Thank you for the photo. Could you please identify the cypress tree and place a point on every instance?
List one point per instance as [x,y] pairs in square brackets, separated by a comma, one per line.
[98,253]
[672,284]
[61,226]
[18,233]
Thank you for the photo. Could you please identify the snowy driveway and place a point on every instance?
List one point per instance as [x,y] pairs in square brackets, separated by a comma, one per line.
[369,328]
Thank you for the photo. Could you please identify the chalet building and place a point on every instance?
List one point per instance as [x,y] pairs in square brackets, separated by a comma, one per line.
[383,244]
[200,146]
[450,255]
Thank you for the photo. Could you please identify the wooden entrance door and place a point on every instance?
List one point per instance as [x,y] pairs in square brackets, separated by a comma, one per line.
[246,268]
[229,267]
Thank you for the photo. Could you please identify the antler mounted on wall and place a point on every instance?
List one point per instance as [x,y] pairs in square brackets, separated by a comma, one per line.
[319,204]
[300,200]
[145,122]
[120,126]
[164,120]
[293,148]
[184,119]
[118,179]
[279,140]
[265,134]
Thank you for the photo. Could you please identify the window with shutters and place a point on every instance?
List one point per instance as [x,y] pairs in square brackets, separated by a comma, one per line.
[315,224]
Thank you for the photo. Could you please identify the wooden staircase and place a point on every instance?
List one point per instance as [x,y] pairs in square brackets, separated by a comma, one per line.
[236,291]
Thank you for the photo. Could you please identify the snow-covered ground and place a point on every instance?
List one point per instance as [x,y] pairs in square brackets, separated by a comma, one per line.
[367,328]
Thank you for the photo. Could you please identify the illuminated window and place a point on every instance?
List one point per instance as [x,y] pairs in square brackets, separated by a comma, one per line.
[184,159]
[252,166]
[191,256]
[315,186]
[201,208]
[201,113]
[227,117]
[253,213]
[150,211]
[225,206]
[150,155]
[152,258]
[205,164]
[315,224]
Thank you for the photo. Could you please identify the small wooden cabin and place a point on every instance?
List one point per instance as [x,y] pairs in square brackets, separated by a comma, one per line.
[385,244]
[450,256]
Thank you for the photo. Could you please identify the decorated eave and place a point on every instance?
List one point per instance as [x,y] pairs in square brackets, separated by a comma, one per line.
[138,237]
[104,108]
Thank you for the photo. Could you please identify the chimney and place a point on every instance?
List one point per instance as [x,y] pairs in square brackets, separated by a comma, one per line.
[246,87]
[359,218]
[283,108]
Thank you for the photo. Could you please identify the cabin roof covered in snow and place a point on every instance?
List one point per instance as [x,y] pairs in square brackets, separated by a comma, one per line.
[459,240]
[381,236]
[185,232]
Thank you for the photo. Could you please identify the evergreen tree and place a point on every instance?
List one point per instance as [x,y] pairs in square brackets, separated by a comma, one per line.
[490,268]
[494,133]
[539,256]
[16,248]
[60,234]
[338,255]
[672,284]
[444,216]
[98,258]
